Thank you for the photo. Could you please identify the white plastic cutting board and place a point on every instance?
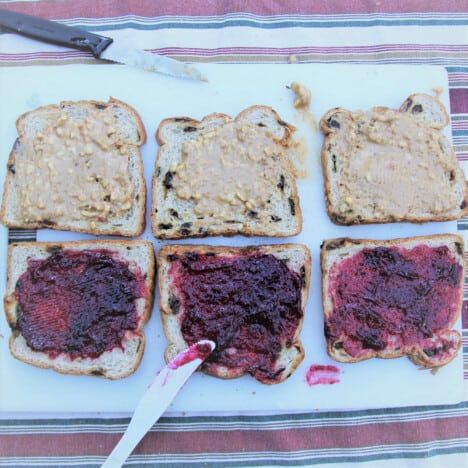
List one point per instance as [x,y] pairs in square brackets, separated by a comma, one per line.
[231,88]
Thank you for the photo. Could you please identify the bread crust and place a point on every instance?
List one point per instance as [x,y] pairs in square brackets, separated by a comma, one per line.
[117,226]
[433,116]
[173,132]
[298,259]
[114,364]
[335,250]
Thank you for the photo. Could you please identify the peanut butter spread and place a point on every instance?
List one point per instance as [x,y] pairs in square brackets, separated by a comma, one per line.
[231,170]
[74,169]
[396,166]
[302,96]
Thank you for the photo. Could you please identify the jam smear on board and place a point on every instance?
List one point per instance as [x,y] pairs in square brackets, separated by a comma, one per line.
[77,302]
[319,374]
[392,297]
[249,305]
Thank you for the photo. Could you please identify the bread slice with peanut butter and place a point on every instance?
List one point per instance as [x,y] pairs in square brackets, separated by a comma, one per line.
[77,166]
[224,176]
[384,165]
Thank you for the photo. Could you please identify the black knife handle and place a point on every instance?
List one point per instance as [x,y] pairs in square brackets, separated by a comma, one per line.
[55,33]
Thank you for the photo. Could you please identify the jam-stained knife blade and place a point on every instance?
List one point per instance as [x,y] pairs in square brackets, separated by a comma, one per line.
[100,46]
[157,398]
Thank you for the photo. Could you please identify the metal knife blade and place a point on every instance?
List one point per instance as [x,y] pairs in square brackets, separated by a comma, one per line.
[157,398]
[150,62]
[100,46]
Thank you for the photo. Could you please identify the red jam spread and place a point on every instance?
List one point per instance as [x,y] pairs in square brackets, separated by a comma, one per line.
[249,305]
[77,302]
[392,298]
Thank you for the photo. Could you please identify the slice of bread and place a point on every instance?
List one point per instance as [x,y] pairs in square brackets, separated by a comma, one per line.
[393,298]
[245,315]
[386,165]
[221,176]
[136,265]
[77,166]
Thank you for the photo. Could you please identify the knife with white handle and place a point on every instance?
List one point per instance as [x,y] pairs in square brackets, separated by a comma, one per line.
[157,398]
[100,46]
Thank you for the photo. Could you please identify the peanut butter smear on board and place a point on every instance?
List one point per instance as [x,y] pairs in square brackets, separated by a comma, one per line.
[395,165]
[299,157]
[74,168]
[230,170]
[302,96]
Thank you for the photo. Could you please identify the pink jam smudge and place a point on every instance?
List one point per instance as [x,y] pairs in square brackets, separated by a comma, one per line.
[196,351]
[322,374]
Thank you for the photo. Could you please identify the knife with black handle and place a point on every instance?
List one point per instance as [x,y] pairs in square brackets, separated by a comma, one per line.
[100,46]
[53,32]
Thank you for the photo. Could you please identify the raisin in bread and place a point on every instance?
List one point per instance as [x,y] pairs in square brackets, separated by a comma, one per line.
[221,176]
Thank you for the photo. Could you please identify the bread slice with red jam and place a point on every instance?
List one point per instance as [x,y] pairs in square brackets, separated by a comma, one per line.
[79,307]
[249,300]
[393,298]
